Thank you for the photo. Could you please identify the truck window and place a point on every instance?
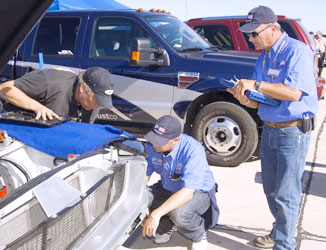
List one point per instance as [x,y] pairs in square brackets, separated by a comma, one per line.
[218,35]
[249,44]
[112,37]
[57,36]
[288,29]
[285,27]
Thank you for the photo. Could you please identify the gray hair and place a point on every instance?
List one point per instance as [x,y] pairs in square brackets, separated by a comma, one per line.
[276,24]
[81,77]
[81,80]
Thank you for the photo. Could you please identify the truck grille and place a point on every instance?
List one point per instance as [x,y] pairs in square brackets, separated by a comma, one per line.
[29,228]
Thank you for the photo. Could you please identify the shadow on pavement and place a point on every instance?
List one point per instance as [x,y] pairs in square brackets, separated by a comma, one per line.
[319,182]
[243,239]
[217,236]
[317,165]
[135,241]
[318,185]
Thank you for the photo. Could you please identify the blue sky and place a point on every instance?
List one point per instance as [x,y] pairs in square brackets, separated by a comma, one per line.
[311,12]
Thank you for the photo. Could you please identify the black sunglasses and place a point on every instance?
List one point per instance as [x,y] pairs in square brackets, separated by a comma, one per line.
[254,34]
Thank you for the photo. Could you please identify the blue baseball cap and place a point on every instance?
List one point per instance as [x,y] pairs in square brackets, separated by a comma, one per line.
[256,17]
[165,129]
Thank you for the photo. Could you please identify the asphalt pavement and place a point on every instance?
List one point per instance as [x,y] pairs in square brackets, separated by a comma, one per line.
[244,210]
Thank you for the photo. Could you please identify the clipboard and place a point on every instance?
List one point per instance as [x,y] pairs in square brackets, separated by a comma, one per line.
[252,94]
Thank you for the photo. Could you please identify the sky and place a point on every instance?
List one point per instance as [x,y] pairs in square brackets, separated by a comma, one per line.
[311,12]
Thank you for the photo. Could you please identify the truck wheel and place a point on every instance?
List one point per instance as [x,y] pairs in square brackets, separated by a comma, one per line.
[227,132]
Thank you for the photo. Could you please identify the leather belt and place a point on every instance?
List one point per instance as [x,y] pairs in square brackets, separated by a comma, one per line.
[284,124]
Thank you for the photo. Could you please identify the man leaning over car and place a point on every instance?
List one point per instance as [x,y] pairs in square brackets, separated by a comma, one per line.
[51,93]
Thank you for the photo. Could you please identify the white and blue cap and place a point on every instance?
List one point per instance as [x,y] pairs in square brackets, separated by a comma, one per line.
[256,17]
[165,129]
[99,80]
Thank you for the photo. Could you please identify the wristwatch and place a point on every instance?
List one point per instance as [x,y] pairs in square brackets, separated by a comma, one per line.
[257,85]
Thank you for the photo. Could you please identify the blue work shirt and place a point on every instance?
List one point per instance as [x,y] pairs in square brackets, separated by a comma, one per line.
[187,161]
[295,63]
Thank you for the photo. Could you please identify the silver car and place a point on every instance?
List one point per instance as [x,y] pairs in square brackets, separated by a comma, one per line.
[88,201]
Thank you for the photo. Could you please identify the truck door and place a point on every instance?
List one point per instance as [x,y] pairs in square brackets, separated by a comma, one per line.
[141,94]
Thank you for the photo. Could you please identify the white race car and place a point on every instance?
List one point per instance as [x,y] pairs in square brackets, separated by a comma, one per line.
[69,193]
[74,192]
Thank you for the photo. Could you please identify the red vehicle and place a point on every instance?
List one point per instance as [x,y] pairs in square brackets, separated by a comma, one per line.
[222,32]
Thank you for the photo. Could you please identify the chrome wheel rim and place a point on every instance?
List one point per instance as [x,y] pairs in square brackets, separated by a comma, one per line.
[222,135]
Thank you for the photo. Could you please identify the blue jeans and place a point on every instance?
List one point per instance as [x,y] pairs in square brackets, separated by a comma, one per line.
[188,218]
[283,152]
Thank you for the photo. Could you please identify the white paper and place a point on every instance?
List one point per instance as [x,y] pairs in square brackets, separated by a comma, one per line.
[55,194]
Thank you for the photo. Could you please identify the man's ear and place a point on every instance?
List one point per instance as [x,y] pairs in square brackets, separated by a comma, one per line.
[176,139]
[82,88]
[274,28]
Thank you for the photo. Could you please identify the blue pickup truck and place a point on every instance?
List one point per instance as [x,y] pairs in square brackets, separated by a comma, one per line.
[160,66]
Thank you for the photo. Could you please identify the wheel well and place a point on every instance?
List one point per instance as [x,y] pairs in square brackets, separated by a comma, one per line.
[209,98]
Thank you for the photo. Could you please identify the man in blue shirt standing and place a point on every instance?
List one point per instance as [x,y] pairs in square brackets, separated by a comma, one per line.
[284,71]
[185,195]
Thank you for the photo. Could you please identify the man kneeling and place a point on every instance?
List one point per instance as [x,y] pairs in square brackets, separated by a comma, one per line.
[184,198]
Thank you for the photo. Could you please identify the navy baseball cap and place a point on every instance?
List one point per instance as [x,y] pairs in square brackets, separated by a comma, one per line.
[165,129]
[256,17]
[99,80]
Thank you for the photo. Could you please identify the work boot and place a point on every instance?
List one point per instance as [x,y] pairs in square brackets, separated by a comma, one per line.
[264,241]
[164,238]
[200,245]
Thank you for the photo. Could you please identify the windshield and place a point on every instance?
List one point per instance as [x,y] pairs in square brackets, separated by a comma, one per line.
[178,34]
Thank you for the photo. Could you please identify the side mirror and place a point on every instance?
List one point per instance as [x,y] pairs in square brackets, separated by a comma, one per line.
[143,55]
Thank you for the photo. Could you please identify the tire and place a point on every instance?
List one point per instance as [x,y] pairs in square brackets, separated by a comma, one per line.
[228,133]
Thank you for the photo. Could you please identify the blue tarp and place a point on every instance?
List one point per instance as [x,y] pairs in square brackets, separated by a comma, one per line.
[66,138]
[85,4]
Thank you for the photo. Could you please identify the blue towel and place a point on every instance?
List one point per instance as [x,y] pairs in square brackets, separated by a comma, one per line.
[66,138]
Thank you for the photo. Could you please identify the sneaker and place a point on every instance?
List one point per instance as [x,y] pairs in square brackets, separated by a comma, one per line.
[264,241]
[200,245]
[164,238]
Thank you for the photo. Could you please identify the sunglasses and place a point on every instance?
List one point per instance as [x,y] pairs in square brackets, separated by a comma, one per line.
[254,34]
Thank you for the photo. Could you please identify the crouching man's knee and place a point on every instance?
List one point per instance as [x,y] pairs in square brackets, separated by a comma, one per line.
[182,218]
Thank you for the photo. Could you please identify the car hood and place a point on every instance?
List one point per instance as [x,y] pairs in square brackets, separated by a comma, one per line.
[17,20]
[232,55]
[240,53]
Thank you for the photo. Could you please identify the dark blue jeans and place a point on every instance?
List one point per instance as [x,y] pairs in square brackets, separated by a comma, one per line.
[283,152]
[188,218]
